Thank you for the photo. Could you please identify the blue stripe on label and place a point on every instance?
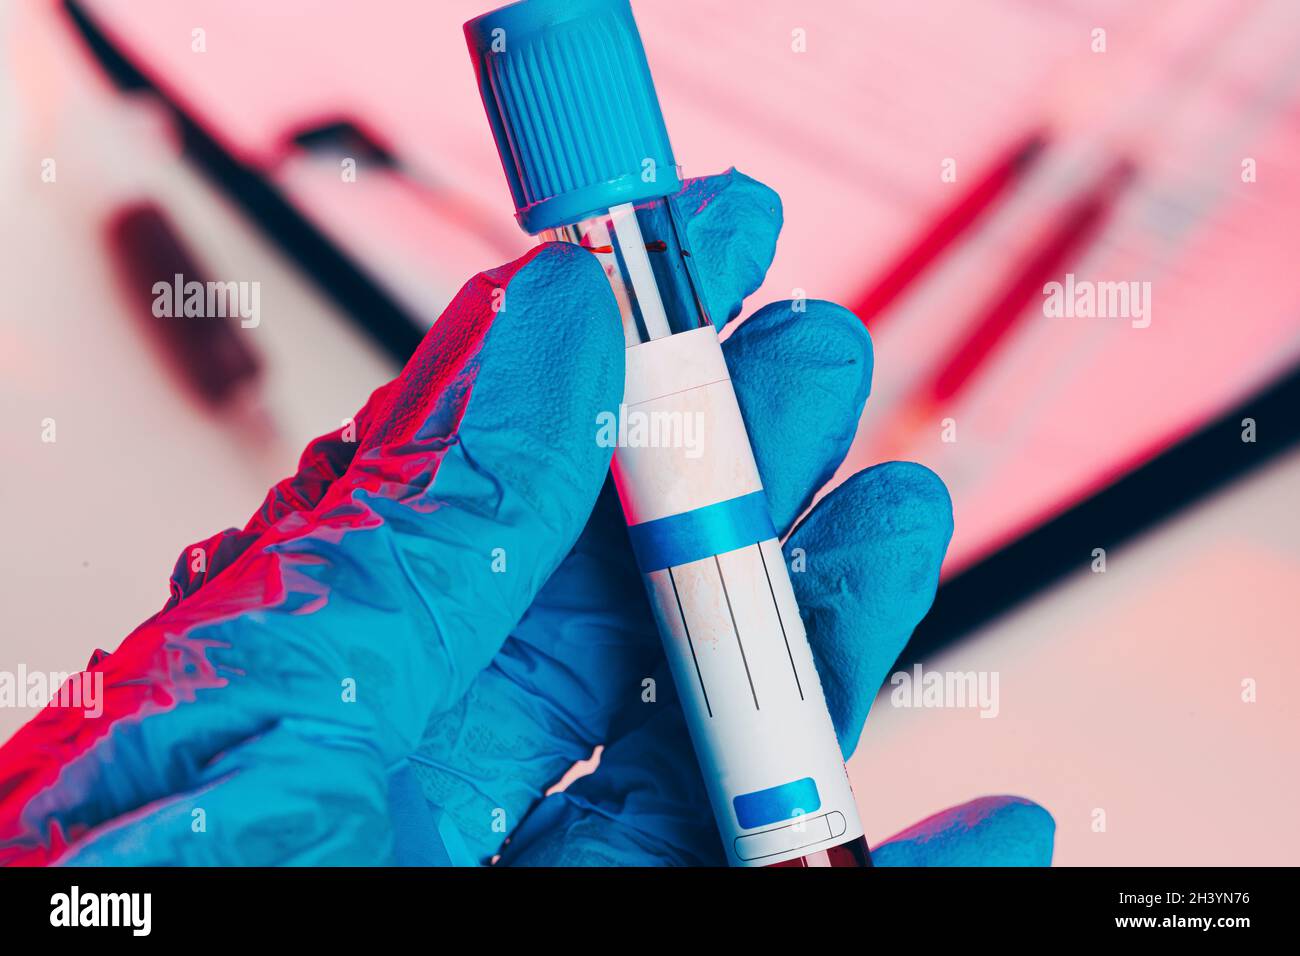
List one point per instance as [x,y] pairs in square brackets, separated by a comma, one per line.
[777,803]
[702,533]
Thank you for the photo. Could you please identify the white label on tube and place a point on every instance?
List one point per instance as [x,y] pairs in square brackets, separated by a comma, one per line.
[731,628]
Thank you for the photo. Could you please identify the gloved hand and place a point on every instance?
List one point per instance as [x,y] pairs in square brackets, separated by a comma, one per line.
[421,630]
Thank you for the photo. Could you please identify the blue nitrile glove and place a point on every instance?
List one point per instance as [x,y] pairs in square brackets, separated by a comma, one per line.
[570,675]
[425,579]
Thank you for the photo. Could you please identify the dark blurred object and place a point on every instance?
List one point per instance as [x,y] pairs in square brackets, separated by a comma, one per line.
[207,352]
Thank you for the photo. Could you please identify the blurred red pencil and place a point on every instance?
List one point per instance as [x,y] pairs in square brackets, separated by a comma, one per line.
[943,231]
[1065,236]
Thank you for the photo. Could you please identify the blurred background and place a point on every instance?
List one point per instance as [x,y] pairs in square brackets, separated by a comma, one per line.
[940,162]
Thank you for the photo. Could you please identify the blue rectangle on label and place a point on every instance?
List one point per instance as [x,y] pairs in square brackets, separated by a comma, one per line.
[777,803]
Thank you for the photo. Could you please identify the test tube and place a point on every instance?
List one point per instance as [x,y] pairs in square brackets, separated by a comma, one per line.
[573,109]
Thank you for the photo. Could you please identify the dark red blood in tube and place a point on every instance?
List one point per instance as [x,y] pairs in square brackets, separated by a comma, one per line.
[853,853]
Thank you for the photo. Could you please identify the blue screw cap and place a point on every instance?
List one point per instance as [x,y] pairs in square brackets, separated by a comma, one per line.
[572,106]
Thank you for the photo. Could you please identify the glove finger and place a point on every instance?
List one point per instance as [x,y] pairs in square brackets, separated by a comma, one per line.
[730,223]
[290,797]
[870,553]
[990,831]
[571,675]
[802,373]
[869,559]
